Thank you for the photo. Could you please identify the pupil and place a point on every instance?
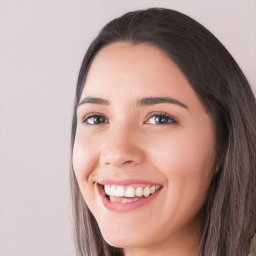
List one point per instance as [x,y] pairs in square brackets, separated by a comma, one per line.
[99,119]
[160,119]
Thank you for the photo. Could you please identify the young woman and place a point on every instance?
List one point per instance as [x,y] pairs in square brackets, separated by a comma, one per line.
[163,142]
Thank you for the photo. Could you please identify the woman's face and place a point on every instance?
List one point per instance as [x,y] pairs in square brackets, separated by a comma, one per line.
[141,129]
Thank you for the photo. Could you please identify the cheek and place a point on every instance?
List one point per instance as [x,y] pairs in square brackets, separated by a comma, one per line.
[84,157]
[186,160]
[85,160]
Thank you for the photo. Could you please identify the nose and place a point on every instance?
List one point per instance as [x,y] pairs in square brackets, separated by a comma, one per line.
[121,148]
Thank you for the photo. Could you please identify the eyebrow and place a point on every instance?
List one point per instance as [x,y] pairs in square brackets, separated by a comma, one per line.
[93,100]
[141,102]
[157,100]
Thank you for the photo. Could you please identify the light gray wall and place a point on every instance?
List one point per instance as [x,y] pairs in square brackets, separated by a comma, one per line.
[41,47]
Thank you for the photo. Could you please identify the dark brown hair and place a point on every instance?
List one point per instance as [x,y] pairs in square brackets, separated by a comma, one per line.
[226,95]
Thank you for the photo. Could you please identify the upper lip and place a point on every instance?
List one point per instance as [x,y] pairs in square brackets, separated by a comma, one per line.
[126,182]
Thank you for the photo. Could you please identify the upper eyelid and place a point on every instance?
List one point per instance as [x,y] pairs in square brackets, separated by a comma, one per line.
[159,113]
[83,115]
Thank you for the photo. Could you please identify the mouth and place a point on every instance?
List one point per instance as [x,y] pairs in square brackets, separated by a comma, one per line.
[126,198]
[128,194]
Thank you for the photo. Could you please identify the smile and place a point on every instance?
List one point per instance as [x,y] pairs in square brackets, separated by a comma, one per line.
[135,192]
[126,198]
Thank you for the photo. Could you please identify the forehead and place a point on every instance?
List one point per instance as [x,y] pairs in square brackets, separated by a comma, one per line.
[136,71]
[144,62]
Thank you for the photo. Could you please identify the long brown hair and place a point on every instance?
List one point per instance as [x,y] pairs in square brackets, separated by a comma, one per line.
[226,95]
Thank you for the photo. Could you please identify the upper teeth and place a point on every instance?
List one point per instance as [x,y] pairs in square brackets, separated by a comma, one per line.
[113,190]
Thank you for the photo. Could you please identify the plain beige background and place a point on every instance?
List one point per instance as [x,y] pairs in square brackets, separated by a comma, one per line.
[42,44]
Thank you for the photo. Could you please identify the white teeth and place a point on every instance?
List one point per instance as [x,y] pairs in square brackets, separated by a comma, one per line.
[139,191]
[130,192]
[146,191]
[107,189]
[112,190]
[152,189]
[125,201]
[120,191]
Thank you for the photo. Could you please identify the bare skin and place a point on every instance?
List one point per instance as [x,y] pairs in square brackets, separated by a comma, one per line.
[170,143]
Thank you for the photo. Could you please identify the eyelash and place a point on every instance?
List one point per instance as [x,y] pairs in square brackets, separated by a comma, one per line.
[162,115]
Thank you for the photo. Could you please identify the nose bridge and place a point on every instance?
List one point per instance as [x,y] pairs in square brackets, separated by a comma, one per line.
[121,146]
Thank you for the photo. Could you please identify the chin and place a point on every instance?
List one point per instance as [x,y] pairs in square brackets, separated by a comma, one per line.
[123,240]
[129,239]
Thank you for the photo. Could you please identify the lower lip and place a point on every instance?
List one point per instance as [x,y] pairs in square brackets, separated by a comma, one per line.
[119,207]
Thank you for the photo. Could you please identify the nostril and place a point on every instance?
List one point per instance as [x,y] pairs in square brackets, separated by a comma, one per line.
[128,162]
[118,162]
